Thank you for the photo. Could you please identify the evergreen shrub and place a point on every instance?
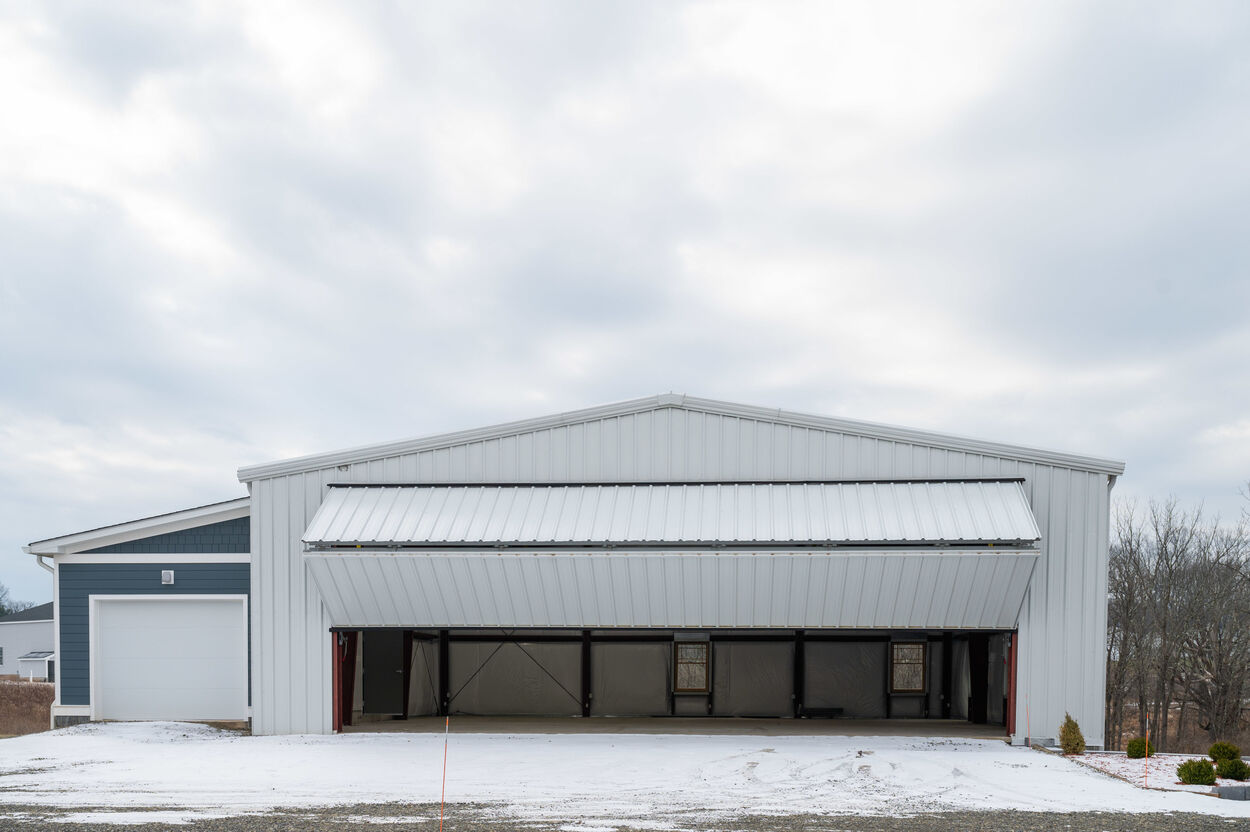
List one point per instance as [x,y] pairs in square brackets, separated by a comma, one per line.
[1196,773]
[1071,740]
[1232,769]
[1224,751]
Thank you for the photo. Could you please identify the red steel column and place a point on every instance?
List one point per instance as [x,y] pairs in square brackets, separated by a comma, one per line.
[1011,685]
[336,683]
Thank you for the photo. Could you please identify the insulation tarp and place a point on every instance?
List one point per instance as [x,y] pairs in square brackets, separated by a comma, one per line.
[515,679]
[630,679]
[846,675]
[752,678]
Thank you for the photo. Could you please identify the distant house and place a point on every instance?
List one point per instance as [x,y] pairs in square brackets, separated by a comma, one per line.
[663,556]
[26,640]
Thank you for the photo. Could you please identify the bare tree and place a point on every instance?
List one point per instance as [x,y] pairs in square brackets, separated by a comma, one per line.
[1178,622]
[8,606]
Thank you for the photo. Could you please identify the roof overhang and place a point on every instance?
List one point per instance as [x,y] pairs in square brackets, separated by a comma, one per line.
[898,589]
[146,527]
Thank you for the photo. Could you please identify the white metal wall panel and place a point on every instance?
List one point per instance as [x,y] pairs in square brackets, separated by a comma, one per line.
[660,589]
[1061,625]
[843,513]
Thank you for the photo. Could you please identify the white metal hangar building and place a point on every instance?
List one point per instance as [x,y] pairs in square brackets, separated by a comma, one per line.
[662,556]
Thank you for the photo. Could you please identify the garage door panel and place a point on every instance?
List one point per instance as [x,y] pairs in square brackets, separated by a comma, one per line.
[167,658]
[141,703]
[207,641]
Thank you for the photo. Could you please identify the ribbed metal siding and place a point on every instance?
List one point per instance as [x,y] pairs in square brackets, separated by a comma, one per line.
[711,589]
[899,512]
[1062,624]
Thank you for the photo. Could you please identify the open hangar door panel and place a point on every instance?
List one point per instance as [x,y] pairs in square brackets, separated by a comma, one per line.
[169,657]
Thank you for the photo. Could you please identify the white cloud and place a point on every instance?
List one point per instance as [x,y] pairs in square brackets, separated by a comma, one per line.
[230,233]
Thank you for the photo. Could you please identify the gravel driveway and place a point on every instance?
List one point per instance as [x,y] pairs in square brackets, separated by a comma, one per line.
[485,818]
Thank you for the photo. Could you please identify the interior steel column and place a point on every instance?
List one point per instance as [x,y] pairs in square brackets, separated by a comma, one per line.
[586,673]
[948,648]
[444,673]
[800,671]
[889,677]
[978,678]
[407,665]
[1011,684]
[348,677]
[336,683]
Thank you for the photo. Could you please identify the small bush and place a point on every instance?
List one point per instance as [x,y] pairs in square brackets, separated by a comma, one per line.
[1224,751]
[1071,740]
[1232,769]
[1196,773]
[1138,747]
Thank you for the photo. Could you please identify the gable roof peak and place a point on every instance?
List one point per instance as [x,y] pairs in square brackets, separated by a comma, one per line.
[311,462]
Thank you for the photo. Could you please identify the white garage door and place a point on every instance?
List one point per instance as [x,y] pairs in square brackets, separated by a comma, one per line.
[172,657]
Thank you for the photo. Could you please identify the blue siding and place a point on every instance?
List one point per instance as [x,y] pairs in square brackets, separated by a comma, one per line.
[215,538]
[78,580]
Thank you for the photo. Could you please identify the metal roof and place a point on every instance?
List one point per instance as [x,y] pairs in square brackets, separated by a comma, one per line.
[312,462]
[38,654]
[43,612]
[933,588]
[772,514]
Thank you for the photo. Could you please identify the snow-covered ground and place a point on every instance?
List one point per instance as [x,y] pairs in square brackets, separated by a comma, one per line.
[1161,773]
[193,770]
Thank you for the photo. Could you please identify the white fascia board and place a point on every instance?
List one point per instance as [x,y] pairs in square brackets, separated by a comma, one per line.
[313,462]
[29,621]
[144,557]
[146,527]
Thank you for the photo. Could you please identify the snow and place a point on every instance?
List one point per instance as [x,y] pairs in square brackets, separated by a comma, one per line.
[185,771]
[1162,774]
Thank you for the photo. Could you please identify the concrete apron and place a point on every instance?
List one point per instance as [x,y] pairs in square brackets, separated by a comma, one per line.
[684,725]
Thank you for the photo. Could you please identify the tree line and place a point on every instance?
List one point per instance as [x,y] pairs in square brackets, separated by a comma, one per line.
[1178,627]
[9,605]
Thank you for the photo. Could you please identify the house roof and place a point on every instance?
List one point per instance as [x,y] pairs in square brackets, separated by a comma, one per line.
[38,654]
[364,453]
[175,521]
[43,612]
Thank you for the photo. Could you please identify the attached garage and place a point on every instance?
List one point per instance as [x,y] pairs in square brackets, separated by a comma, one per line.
[153,619]
[176,657]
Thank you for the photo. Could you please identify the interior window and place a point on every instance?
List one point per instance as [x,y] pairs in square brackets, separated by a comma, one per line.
[907,662]
[690,664]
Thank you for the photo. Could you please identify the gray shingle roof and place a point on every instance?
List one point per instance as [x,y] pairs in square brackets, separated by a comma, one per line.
[43,612]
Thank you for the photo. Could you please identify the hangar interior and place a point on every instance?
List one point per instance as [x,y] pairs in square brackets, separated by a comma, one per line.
[394,674]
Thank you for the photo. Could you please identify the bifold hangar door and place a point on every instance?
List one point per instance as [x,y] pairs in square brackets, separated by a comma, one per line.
[175,657]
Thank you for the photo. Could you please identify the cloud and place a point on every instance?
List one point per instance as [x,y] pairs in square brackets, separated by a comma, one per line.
[235,232]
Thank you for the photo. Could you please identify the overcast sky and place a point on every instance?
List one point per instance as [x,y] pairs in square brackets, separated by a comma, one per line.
[234,233]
